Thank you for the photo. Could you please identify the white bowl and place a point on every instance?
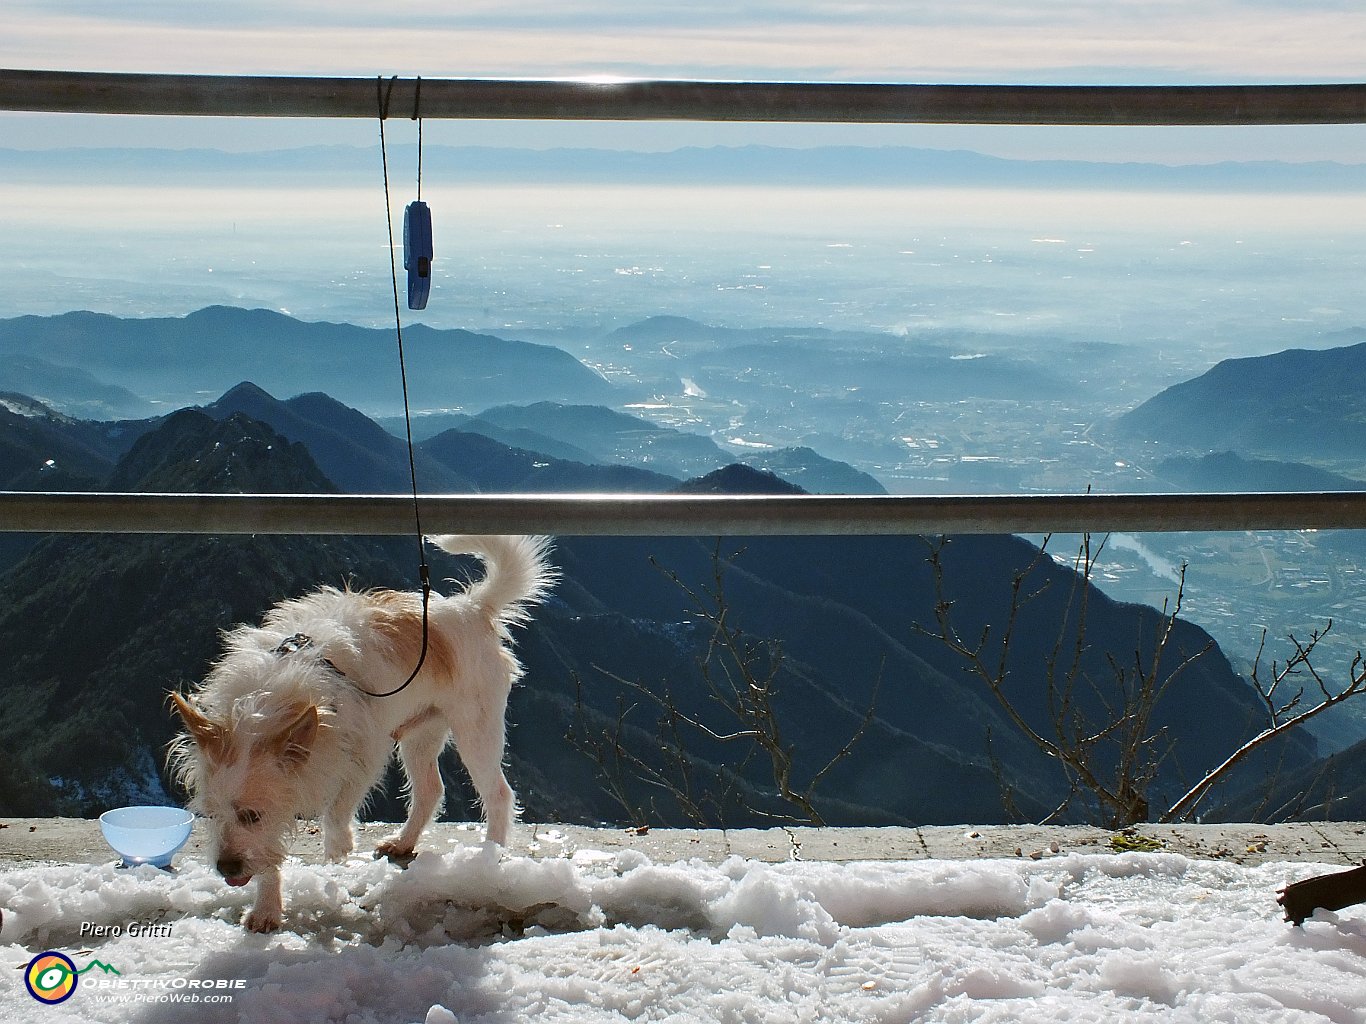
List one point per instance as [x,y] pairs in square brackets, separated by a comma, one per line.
[146,835]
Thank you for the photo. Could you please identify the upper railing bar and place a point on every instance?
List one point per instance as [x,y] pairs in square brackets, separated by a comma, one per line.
[675,515]
[645,100]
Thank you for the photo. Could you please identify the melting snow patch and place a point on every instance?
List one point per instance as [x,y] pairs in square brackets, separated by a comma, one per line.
[482,935]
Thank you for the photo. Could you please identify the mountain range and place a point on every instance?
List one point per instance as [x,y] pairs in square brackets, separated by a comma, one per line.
[174,360]
[598,435]
[733,165]
[1294,406]
[103,367]
[555,405]
[1228,471]
[98,627]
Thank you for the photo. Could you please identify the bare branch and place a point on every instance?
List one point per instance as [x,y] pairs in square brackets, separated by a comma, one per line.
[1356,684]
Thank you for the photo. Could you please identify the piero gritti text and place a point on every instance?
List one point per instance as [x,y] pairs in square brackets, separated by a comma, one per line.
[134,929]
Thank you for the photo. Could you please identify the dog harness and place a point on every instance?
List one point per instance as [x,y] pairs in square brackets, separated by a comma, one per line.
[302,642]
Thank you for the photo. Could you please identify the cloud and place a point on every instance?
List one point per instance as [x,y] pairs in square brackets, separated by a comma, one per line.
[975,40]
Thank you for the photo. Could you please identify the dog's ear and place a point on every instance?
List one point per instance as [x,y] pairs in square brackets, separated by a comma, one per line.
[295,741]
[210,736]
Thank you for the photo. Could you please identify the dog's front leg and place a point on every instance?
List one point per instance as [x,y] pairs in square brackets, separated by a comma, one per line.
[339,823]
[339,820]
[339,833]
[270,903]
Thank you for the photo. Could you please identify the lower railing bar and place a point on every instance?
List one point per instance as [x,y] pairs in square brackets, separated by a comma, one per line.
[675,515]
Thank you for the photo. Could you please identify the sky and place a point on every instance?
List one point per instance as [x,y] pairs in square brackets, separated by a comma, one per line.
[1039,41]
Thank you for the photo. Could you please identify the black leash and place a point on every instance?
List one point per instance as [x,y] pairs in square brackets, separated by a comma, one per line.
[382,96]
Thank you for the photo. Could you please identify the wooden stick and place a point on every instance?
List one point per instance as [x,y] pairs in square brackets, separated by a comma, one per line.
[1330,892]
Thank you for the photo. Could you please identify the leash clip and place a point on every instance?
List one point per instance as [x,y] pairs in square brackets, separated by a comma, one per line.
[294,644]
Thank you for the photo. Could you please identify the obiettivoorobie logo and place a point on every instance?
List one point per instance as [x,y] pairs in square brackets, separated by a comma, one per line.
[51,977]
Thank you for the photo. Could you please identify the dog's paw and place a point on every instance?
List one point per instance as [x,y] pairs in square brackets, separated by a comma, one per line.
[336,847]
[393,850]
[261,921]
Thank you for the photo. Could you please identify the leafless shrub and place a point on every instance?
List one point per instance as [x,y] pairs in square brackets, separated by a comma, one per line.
[1111,759]
[741,676]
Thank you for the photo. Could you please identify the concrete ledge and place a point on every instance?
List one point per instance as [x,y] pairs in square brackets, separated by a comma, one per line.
[78,841]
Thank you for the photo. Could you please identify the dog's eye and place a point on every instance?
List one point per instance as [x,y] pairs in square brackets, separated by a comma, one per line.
[247,816]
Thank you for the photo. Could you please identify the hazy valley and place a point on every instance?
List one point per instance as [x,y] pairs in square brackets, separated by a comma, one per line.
[938,323]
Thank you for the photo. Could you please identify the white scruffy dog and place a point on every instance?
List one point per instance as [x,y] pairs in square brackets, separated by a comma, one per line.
[286,726]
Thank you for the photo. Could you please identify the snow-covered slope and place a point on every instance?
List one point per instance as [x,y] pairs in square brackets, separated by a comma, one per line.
[584,936]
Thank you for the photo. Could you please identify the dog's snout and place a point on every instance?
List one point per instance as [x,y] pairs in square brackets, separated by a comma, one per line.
[230,867]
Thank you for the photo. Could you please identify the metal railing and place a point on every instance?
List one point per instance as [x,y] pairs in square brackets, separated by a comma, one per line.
[631,100]
[643,100]
[675,514]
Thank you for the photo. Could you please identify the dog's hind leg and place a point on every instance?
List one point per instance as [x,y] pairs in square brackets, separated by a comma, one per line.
[480,740]
[419,751]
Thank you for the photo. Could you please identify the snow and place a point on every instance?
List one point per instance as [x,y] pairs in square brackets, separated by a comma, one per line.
[20,407]
[476,934]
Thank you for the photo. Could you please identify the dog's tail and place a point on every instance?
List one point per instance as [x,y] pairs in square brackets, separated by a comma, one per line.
[518,573]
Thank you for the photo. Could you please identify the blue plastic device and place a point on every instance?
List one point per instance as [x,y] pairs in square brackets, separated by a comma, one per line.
[417,252]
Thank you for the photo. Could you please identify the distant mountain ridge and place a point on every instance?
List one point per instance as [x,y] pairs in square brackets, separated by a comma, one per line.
[598,435]
[214,348]
[1298,406]
[753,164]
[352,450]
[41,449]
[1225,471]
[77,391]
[615,436]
